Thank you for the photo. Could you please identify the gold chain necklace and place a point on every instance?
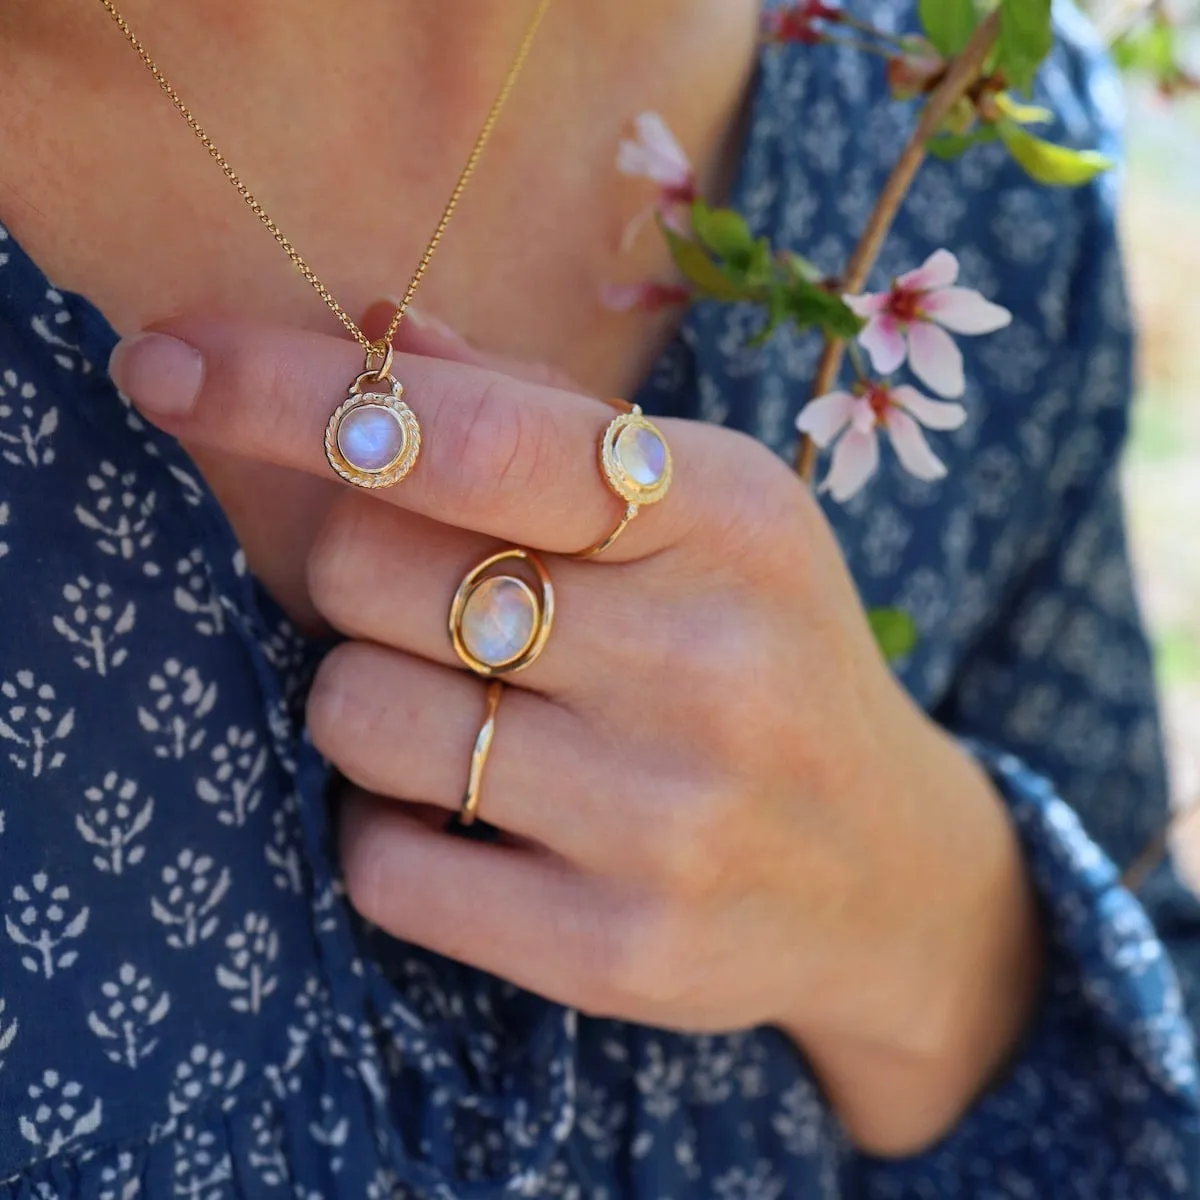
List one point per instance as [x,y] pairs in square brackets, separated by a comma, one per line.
[372,438]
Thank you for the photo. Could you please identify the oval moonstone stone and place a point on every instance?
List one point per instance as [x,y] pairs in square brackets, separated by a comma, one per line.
[370,437]
[641,454]
[498,620]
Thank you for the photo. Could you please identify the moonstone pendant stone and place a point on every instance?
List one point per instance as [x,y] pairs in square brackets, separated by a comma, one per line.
[498,620]
[642,455]
[370,437]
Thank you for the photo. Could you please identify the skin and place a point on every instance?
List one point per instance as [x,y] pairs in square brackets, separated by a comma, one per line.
[750,821]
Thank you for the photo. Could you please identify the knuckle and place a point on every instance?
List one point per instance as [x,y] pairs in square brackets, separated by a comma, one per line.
[259,390]
[758,501]
[640,966]
[715,658]
[690,852]
[489,447]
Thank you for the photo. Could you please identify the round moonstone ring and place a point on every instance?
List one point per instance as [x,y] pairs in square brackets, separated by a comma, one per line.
[499,623]
[373,439]
[635,461]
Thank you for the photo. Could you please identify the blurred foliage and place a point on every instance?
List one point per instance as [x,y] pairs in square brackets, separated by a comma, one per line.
[1155,40]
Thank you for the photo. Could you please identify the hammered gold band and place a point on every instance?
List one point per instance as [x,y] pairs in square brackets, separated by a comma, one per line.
[635,462]
[500,622]
[480,754]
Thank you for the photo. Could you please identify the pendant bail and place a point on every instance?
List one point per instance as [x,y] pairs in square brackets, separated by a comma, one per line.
[384,352]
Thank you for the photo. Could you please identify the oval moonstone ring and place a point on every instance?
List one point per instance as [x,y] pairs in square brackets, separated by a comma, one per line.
[499,623]
[373,438]
[635,461]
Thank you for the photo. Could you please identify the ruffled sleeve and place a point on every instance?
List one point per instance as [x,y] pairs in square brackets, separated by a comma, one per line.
[1102,1099]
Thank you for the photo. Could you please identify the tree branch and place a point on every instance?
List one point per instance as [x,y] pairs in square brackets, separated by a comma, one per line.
[963,72]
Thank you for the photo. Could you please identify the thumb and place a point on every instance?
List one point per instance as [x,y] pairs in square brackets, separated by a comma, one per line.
[426,335]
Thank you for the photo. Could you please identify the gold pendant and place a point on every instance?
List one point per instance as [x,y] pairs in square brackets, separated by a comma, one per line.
[373,438]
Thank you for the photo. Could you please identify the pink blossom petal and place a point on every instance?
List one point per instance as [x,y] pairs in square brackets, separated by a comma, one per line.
[655,155]
[649,296]
[657,136]
[939,270]
[634,159]
[855,460]
[962,310]
[933,414]
[911,447]
[676,218]
[935,359]
[867,305]
[620,297]
[635,227]
[884,342]
[824,418]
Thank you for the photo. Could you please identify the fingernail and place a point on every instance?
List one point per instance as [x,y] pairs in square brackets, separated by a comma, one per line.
[422,320]
[160,374]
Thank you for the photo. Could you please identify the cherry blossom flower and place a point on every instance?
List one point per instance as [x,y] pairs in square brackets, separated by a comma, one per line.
[912,321]
[648,296]
[799,23]
[856,417]
[915,73]
[656,155]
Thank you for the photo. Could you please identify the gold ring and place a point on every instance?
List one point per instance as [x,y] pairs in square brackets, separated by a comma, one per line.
[500,623]
[479,756]
[635,461]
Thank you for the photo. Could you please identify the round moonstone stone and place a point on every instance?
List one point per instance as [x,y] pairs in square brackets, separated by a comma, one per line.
[370,437]
[642,455]
[498,620]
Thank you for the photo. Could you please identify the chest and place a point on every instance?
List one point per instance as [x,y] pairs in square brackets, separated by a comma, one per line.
[111,193]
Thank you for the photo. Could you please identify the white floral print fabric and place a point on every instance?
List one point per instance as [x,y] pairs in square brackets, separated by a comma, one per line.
[189,1008]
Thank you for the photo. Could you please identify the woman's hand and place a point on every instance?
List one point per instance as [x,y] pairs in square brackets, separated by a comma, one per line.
[723,809]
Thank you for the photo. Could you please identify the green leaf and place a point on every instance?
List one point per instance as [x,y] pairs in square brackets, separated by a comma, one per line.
[1152,48]
[700,270]
[798,267]
[951,145]
[894,630]
[759,270]
[776,315]
[1023,114]
[949,24]
[724,232]
[1026,37]
[809,305]
[1057,166]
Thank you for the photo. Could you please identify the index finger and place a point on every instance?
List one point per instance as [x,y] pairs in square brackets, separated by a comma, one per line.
[504,457]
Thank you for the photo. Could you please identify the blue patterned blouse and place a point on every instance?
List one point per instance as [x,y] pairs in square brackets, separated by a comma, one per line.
[189,1008]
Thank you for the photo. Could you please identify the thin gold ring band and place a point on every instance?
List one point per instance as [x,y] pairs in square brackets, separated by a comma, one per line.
[479,756]
[603,544]
[638,473]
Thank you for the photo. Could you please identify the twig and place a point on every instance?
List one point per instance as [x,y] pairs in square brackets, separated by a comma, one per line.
[874,31]
[1152,855]
[963,72]
[1147,860]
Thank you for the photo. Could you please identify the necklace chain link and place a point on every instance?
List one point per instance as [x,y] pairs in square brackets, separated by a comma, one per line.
[382,346]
